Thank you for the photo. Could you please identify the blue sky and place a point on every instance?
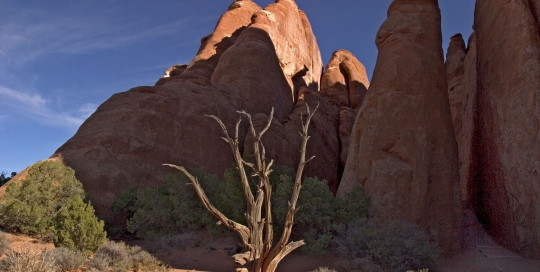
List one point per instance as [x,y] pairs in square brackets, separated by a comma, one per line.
[60,59]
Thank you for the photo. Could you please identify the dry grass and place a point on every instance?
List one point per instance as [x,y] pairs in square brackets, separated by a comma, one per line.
[28,261]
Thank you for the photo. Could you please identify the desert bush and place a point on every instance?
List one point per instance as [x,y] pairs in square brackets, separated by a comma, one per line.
[168,209]
[323,269]
[49,204]
[117,256]
[4,243]
[320,216]
[4,178]
[174,207]
[68,259]
[78,228]
[112,254]
[29,206]
[144,261]
[28,261]
[396,245]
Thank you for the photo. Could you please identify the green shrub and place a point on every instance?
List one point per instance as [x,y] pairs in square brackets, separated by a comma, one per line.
[169,209]
[49,204]
[78,228]
[175,208]
[68,259]
[395,245]
[320,215]
[4,178]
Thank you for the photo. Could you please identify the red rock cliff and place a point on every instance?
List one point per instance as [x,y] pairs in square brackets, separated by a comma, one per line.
[402,148]
[254,60]
[508,180]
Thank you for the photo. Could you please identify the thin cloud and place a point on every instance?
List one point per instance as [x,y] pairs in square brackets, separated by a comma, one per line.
[21,41]
[36,107]
[87,109]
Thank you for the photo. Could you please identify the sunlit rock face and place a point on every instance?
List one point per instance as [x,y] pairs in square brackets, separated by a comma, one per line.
[402,149]
[507,188]
[255,60]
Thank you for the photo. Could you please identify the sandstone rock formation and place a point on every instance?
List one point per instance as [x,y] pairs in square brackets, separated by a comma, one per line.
[455,59]
[330,127]
[508,179]
[227,30]
[344,84]
[254,60]
[174,72]
[280,46]
[345,80]
[282,142]
[402,148]
[461,77]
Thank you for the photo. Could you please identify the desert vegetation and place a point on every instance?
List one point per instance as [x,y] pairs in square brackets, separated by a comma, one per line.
[257,235]
[4,178]
[325,223]
[50,203]
[110,256]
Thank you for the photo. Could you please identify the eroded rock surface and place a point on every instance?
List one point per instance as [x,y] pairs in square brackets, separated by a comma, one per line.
[455,59]
[461,76]
[344,84]
[227,30]
[254,60]
[282,141]
[508,182]
[345,81]
[403,149]
[330,128]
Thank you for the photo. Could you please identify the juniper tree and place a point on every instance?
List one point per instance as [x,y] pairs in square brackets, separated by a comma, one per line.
[257,235]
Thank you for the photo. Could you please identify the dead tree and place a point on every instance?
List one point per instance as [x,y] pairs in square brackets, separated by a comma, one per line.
[260,255]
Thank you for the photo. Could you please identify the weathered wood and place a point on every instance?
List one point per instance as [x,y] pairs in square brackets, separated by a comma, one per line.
[281,249]
[258,235]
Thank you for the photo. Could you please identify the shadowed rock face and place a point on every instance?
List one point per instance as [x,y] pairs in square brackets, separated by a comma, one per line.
[330,128]
[461,77]
[455,59]
[283,144]
[344,84]
[508,180]
[402,148]
[254,60]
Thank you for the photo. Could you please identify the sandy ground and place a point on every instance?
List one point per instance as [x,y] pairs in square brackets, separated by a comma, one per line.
[482,254]
[21,243]
[199,251]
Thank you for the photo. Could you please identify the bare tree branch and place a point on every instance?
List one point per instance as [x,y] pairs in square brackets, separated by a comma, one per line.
[277,249]
[258,235]
[238,159]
